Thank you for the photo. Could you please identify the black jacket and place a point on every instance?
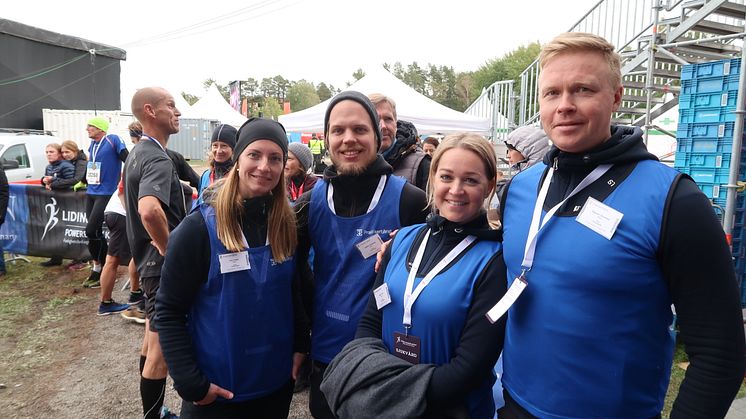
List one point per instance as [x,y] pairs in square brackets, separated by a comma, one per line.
[696,264]
[81,166]
[183,169]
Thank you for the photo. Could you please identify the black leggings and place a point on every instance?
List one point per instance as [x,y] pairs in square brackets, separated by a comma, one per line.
[94,209]
[275,405]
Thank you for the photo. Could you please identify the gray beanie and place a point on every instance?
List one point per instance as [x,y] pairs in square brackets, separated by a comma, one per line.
[363,100]
[302,153]
[531,141]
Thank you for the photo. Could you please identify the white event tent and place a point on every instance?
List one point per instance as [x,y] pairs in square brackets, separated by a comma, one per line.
[213,106]
[428,116]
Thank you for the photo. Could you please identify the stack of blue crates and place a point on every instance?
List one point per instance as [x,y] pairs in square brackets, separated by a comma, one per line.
[704,137]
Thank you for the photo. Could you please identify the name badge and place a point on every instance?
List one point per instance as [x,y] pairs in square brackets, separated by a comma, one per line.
[382,296]
[369,246]
[599,217]
[407,347]
[93,173]
[234,262]
[510,297]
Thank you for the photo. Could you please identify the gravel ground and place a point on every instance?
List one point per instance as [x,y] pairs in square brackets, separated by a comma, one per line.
[71,363]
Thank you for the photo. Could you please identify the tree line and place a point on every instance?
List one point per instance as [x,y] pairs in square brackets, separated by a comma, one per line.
[456,90]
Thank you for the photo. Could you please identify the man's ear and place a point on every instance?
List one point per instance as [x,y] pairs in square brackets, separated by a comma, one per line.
[618,97]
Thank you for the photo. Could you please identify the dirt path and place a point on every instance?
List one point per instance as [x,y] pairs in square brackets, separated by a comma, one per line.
[59,359]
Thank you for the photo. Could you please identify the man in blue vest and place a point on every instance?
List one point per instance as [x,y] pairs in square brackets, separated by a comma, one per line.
[602,239]
[345,218]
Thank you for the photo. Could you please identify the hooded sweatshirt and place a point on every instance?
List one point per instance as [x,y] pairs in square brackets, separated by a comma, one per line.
[695,262]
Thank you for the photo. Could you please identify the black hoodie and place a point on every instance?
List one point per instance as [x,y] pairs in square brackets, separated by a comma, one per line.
[695,261]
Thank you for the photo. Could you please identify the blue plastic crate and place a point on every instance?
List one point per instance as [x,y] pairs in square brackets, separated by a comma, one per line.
[715,114]
[708,100]
[706,130]
[704,145]
[710,84]
[683,160]
[711,69]
[708,175]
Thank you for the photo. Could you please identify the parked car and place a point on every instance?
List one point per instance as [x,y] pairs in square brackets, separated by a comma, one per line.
[22,154]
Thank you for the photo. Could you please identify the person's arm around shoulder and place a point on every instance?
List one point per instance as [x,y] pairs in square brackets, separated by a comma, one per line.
[696,263]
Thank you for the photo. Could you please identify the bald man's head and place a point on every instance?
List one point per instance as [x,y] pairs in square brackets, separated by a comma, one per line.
[155,108]
[147,96]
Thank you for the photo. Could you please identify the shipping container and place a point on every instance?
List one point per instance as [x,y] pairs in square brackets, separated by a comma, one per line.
[71,124]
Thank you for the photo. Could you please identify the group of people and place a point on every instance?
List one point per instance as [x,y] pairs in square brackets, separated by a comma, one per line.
[597,242]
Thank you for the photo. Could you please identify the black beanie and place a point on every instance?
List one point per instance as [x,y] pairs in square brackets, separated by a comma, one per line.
[225,134]
[256,129]
[361,99]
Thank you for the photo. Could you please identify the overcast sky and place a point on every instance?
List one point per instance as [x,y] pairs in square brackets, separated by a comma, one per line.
[316,40]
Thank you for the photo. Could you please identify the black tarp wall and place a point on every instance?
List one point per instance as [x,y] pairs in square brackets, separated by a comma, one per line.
[43,69]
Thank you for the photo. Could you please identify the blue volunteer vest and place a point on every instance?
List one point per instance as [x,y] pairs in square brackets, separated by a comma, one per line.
[342,278]
[589,336]
[204,182]
[439,313]
[241,323]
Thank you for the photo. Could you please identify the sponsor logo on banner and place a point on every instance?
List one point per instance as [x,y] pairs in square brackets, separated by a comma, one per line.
[45,223]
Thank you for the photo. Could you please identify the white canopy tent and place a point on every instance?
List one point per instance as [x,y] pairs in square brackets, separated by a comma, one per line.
[428,116]
[213,106]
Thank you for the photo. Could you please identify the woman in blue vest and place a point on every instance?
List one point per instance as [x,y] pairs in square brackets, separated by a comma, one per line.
[221,152]
[452,269]
[229,315]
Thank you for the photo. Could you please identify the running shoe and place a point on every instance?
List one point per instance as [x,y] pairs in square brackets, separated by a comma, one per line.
[167,414]
[136,297]
[53,261]
[135,314]
[111,307]
[93,280]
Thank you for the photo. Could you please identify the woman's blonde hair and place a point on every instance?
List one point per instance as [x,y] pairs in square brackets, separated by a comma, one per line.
[466,141]
[71,145]
[281,227]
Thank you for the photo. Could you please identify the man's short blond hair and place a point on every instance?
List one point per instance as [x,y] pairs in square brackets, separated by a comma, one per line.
[581,41]
[378,98]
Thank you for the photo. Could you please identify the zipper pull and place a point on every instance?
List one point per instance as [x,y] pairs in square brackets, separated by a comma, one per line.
[554,164]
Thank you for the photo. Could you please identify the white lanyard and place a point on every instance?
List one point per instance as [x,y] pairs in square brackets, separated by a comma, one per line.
[96,147]
[146,136]
[373,202]
[520,283]
[533,231]
[409,296]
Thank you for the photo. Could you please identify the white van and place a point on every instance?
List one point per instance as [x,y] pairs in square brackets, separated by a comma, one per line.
[22,154]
